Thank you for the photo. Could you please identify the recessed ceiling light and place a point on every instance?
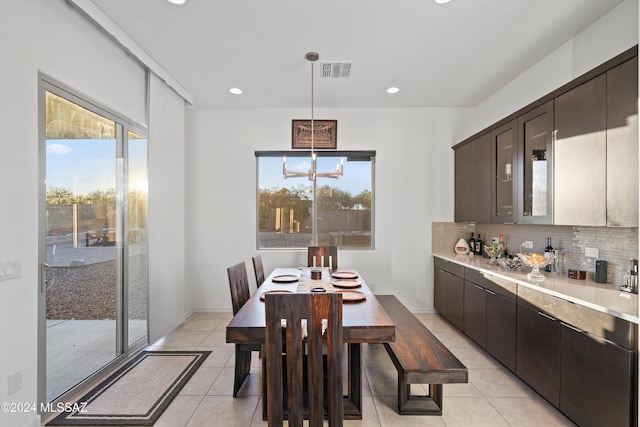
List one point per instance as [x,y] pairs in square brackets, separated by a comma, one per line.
[442,1]
[235,91]
[393,89]
[177,1]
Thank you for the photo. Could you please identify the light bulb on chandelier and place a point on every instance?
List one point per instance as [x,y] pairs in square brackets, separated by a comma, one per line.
[312,57]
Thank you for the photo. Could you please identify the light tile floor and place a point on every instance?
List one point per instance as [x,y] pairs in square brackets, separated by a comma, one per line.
[493,397]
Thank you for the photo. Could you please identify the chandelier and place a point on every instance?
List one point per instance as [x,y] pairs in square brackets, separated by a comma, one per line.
[312,174]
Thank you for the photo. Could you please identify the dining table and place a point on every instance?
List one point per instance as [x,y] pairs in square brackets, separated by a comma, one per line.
[364,320]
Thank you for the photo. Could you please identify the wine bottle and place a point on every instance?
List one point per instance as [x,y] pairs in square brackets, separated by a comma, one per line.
[479,248]
[502,246]
[548,251]
[472,244]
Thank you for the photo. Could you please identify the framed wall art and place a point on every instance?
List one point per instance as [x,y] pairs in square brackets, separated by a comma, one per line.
[324,134]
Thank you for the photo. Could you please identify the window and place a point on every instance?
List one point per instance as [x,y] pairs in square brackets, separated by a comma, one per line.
[344,206]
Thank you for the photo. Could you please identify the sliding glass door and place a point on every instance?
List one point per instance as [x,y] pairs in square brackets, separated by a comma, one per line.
[94,276]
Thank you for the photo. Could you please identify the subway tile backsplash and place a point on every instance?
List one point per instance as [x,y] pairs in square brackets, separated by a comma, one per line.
[615,245]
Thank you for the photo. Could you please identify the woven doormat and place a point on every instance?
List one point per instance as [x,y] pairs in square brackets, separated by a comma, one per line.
[137,393]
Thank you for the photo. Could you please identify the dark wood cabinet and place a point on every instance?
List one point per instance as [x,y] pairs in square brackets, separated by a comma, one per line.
[535,171]
[596,378]
[504,168]
[473,181]
[475,313]
[622,145]
[449,291]
[538,352]
[501,329]
[581,155]
[490,315]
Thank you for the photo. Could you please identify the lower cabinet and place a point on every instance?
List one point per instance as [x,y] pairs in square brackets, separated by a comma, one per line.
[475,313]
[595,380]
[581,360]
[501,329]
[449,291]
[538,352]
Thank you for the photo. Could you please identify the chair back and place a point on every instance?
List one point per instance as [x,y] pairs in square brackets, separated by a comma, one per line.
[327,253]
[314,319]
[239,286]
[258,269]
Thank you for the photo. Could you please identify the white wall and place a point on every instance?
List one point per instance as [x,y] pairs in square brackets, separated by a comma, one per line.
[609,36]
[413,187]
[49,37]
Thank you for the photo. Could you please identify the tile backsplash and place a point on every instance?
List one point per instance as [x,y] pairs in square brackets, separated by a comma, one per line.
[615,245]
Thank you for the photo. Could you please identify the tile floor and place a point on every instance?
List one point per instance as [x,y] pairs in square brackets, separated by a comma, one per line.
[493,397]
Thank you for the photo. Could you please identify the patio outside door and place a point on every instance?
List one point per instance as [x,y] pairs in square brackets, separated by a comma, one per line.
[94,270]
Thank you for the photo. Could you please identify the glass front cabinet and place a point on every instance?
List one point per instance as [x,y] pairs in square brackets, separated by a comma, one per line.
[504,173]
[535,166]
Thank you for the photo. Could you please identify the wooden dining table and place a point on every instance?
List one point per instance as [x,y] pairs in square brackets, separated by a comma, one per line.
[364,320]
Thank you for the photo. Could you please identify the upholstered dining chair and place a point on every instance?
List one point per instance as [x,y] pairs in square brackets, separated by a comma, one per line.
[326,253]
[258,269]
[314,320]
[239,286]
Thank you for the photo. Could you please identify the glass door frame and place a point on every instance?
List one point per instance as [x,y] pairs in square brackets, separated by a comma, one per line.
[123,127]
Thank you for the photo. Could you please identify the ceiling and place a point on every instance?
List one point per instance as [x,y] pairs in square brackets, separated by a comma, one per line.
[451,55]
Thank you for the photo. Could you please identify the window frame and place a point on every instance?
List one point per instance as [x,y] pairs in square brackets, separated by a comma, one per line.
[350,155]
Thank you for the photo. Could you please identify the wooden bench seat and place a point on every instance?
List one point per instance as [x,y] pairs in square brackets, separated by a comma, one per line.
[420,358]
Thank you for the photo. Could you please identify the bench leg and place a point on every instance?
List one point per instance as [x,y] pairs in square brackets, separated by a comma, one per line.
[409,404]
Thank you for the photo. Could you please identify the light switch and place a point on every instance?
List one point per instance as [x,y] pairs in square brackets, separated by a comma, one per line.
[10,269]
[591,252]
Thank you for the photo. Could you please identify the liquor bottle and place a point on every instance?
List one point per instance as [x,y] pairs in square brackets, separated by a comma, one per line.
[547,252]
[472,244]
[479,248]
[502,245]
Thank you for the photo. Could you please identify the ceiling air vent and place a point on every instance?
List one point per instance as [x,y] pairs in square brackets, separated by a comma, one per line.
[336,69]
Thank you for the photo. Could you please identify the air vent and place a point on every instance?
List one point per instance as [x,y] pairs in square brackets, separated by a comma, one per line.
[336,69]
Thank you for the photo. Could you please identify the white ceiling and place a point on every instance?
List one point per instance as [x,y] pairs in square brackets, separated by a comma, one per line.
[452,55]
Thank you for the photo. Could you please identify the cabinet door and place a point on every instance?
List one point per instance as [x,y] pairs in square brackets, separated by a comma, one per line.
[580,155]
[501,329]
[440,291]
[473,181]
[596,380]
[538,352]
[463,180]
[475,313]
[622,145]
[455,300]
[503,173]
[535,171]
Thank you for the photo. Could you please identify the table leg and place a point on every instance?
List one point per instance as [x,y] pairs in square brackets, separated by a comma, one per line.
[353,400]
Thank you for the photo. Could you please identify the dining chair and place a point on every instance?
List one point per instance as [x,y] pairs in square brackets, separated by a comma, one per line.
[239,286]
[312,322]
[327,253]
[258,269]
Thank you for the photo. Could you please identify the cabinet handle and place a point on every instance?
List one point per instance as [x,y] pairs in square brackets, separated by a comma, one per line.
[572,327]
[490,292]
[547,316]
[479,287]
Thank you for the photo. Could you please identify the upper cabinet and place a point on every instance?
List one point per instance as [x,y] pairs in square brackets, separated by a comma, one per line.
[504,167]
[473,181]
[581,155]
[596,151]
[570,158]
[535,160]
[622,145]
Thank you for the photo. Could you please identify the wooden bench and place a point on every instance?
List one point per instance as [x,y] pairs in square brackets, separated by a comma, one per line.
[420,358]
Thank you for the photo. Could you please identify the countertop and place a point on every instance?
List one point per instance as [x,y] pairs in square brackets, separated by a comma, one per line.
[605,298]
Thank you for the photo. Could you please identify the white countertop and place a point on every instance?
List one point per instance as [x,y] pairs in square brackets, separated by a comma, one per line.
[598,296]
